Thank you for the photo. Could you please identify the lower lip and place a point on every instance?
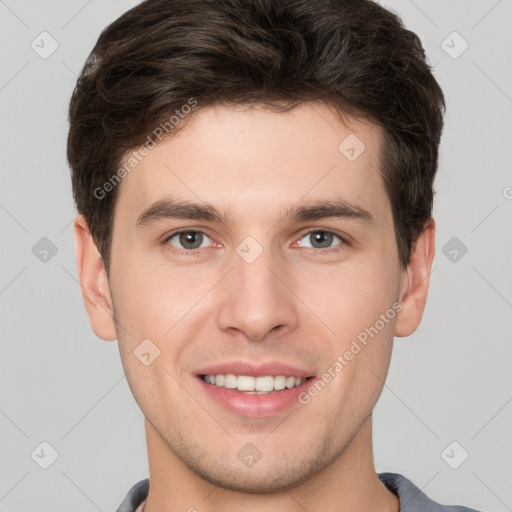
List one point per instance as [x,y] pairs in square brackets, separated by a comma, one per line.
[255,406]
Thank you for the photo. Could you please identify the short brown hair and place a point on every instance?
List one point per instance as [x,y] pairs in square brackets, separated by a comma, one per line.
[353,55]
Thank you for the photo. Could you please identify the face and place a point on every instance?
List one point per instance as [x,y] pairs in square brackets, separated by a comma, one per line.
[256,244]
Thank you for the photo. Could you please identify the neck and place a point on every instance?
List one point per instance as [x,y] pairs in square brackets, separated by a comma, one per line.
[348,483]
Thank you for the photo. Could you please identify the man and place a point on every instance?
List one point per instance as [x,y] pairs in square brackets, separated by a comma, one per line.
[254,187]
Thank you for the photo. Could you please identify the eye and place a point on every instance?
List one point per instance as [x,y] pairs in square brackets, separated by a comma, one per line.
[321,239]
[188,240]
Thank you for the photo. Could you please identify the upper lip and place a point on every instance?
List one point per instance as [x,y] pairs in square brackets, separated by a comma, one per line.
[254,370]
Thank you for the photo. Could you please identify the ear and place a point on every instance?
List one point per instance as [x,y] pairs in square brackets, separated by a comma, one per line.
[415,282]
[94,282]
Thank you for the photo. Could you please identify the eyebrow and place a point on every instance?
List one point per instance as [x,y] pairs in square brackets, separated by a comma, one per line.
[173,209]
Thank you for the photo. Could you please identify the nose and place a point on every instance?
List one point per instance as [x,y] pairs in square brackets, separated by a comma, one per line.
[257,298]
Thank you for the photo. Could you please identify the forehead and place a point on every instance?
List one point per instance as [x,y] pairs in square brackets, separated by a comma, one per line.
[255,163]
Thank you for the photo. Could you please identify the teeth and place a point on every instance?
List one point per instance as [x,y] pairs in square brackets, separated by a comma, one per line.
[253,385]
[290,382]
[244,383]
[230,381]
[279,382]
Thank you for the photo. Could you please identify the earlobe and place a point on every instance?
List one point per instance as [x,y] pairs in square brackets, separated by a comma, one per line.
[415,282]
[94,282]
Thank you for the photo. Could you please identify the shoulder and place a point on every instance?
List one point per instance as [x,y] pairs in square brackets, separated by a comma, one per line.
[135,496]
[413,499]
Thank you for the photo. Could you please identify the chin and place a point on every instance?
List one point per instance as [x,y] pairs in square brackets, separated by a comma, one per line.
[252,481]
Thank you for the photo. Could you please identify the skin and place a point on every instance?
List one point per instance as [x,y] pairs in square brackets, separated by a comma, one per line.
[291,305]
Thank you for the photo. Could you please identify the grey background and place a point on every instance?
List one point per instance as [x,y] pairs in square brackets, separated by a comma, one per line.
[450,381]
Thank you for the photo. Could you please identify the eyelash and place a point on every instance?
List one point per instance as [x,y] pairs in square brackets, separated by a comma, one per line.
[198,252]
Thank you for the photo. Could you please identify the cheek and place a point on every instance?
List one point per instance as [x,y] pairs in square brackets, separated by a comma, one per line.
[350,298]
[166,307]
[152,333]
[358,305]
[151,299]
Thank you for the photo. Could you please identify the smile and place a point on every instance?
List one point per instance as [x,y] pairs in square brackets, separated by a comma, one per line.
[254,385]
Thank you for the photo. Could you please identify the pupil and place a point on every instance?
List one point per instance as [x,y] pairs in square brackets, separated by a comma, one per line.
[323,238]
[188,238]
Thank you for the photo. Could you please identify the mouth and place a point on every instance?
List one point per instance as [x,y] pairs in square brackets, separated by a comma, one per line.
[251,391]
